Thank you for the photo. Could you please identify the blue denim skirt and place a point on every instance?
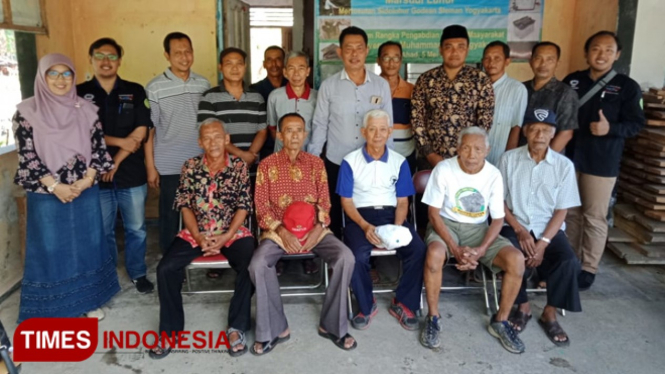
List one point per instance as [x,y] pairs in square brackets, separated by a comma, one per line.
[69,269]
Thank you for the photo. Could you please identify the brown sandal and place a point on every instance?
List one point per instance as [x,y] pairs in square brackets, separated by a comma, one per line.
[519,320]
[552,330]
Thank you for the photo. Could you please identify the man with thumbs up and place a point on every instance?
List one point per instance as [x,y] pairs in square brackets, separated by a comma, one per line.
[610,111]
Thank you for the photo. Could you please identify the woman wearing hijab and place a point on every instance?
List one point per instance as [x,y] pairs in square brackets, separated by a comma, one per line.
[69,270]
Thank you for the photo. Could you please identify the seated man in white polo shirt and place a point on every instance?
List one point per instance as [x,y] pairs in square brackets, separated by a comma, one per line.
[375,183]
[461,193]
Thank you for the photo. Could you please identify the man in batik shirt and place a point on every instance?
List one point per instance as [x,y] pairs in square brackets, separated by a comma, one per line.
[214,201]
[448,99]
[284,178]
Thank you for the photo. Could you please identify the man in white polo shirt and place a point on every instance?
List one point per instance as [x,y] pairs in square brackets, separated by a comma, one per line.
[462,193]
[375,183]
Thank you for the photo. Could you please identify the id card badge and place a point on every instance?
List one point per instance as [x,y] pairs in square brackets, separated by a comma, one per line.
[376,99]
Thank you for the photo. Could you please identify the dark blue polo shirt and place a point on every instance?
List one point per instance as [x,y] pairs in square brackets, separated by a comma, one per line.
[121,111]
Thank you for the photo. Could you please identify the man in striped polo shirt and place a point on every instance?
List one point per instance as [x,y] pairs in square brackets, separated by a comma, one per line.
[243,113]
[173,96]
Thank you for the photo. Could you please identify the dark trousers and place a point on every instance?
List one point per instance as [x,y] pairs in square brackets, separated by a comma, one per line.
[332,170]
[412,256]
[169,219]
[559,269]
[171,272]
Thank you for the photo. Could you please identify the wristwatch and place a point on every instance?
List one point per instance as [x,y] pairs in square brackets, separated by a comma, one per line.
[51,188]
[546,240]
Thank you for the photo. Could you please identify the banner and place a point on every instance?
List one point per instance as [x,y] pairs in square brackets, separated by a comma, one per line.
[417,25]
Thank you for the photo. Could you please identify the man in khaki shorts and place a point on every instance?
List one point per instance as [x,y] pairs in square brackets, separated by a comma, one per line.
[461,193]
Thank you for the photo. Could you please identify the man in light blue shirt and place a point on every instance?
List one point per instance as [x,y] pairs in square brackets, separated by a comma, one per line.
[343,100]
[510,101]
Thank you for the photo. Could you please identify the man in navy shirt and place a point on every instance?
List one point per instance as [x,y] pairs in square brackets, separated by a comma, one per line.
[606,118]
[125,116]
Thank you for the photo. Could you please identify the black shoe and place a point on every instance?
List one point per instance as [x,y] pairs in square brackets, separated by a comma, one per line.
[143,285]
[585,280]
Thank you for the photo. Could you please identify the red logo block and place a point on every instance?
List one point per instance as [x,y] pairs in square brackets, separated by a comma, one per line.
[55,339]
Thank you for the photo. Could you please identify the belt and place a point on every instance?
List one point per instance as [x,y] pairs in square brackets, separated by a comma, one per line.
[378,207]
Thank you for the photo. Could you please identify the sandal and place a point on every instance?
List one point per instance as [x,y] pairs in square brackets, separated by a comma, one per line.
[266,347]
[339,341]
[240,341]
[214,274]
[163,352]
[552,329]
[519,320]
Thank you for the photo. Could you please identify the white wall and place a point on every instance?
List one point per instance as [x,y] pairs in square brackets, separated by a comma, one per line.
[648,60]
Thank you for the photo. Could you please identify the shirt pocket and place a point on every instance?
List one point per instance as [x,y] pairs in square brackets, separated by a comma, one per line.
[549,194]
[611,106]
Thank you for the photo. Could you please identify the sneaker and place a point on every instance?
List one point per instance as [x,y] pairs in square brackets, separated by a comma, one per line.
[361,321]
[429,336]
[97,313]
[143,285]
[585,280]
[404,315]
[503,331]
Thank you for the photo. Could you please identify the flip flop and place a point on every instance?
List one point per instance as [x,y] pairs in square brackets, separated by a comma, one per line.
[158,356]
[519,320]
[214,274]
[552,329]
[339,341]
[240,340]
[268,346]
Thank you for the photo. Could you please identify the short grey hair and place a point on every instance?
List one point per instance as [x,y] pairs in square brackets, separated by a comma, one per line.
[376,113]
[473,130]
[294,54]
[210,121]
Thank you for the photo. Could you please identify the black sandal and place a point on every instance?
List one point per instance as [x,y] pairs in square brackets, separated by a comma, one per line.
[158,356]
[552,329]
[241,340]
[266,347]
[339,341]
[519,320]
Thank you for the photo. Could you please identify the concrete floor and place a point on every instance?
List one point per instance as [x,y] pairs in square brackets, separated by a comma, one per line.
[622,330]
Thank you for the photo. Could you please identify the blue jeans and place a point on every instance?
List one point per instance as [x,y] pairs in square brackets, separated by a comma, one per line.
[131,202]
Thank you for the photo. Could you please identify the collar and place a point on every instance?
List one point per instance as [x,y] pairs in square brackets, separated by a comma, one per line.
[442,71]
[169,74]
[204,162]
[588,74]
[290,94]
[369,159]
[548,86]
[118,83]
[222,88]
[499,81]
[549,157]
[285,157]
[266,82]
[345,75]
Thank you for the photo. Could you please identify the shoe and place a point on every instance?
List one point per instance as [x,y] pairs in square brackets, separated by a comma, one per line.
[361,321]
[279,267]
[309,267]
[429,336]
[585,280]
[143,285]
[97,313]
[503,331]
[407,319]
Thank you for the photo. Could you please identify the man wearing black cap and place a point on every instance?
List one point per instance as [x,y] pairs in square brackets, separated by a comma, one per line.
[539,188]
[449,98]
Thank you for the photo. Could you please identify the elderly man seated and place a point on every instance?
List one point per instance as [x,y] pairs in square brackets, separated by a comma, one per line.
[214,200]
[461,193]
[375,183]
[293,208]
[540,187]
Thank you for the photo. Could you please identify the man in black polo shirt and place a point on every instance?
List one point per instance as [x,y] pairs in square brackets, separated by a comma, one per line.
[546,92]
[273,62]
[610,111]
[125,116]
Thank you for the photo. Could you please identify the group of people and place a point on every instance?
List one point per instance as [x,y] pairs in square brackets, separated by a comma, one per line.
[521,178]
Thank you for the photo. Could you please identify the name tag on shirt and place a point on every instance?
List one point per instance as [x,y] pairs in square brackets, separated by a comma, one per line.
[128,97]
[375,99]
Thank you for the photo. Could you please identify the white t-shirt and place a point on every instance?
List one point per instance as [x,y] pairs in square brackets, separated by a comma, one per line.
[465,197]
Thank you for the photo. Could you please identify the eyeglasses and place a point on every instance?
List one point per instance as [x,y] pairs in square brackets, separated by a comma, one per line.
[54,75]
[387,59]
[100,56]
